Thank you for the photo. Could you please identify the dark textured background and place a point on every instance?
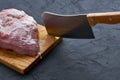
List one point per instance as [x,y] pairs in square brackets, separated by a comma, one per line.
[73,59]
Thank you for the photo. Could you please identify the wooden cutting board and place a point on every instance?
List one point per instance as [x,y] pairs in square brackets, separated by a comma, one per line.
[23,63]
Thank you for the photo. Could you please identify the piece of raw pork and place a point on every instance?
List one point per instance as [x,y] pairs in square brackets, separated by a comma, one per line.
[18,32]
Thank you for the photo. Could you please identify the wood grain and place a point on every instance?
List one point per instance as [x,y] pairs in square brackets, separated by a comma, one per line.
[22,63]
[106,18]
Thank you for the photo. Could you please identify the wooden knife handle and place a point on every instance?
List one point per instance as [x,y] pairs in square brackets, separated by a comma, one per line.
[107,18]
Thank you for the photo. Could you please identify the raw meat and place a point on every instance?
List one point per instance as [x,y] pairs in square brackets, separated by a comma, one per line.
[18,32]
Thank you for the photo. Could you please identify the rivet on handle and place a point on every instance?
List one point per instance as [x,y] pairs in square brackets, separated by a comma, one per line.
[92,19]
[110,18]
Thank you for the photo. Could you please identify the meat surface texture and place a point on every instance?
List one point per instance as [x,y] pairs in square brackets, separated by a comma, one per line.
[18,32]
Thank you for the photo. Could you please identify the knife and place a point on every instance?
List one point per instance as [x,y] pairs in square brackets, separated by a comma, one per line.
[77,26]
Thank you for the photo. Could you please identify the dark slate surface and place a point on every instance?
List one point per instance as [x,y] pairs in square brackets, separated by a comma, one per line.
[73,59]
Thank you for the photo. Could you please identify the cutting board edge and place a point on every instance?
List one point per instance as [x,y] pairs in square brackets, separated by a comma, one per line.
[44,54]
[10,66]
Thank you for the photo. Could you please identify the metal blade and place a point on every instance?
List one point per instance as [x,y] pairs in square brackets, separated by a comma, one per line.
[68,26]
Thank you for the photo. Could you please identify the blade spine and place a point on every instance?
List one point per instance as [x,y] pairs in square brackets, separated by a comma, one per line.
[67,15]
